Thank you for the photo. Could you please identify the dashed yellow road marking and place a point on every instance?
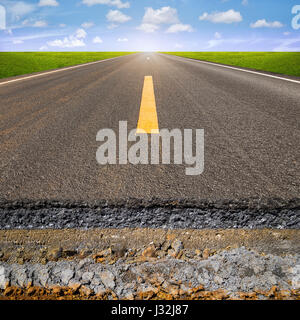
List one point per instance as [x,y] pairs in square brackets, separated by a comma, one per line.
[148,116]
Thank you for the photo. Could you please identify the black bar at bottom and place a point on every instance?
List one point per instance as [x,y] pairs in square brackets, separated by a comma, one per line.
[148,309]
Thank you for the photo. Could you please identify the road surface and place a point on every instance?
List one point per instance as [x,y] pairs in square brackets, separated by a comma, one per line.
[48,127]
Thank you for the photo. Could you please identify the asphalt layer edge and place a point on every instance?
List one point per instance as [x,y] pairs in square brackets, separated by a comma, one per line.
[254,203]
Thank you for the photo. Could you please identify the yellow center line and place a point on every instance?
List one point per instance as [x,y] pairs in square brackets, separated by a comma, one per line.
[148,122]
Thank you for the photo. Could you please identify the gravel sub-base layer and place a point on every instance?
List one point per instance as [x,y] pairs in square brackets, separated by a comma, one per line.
[150,264]
[233,274]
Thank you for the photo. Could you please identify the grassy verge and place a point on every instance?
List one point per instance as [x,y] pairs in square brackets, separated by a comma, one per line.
[287,63]
[18,63]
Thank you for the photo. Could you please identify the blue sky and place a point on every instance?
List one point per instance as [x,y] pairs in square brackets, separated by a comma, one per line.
[148,25]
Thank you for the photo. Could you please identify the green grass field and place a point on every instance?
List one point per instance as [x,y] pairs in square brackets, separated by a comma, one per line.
[17,63]
[287,63]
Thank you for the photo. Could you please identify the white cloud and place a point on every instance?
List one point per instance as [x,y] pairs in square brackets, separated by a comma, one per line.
[48,3]
[286,33]
[179,27]
[178,45]
[18,41]
[245,2]
[116,3]
[42,48]
[80,34]
[229,16]
[263,23]
[20,9]
[97,40]
[87,25]
[165,15]
[35,24]
[218,35]
[122,40]
[40,24]
[25,22]
[117,16]
[75,40]
[62,25]
[69,42]
[147,27]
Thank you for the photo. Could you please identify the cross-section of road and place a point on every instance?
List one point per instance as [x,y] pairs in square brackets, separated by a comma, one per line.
[75,228]
[48,128]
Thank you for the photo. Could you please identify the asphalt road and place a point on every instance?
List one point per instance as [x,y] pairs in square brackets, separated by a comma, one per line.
[48,128]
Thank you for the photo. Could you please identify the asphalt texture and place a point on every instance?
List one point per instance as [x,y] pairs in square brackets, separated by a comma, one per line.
[48,128]
[155,217]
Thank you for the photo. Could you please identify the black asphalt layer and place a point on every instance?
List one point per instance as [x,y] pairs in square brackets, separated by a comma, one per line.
[172,214]
[48,128]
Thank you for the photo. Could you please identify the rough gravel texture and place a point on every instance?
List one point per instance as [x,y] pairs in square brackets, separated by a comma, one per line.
[237,270]
[248,214]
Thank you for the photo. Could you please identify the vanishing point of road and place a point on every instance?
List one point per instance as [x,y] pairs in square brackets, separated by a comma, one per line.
[48,127]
